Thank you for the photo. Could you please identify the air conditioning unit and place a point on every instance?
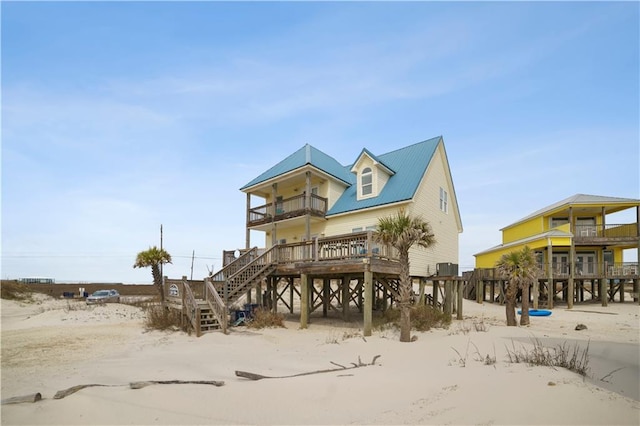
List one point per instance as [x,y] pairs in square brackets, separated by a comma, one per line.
[283,241]
[447,269]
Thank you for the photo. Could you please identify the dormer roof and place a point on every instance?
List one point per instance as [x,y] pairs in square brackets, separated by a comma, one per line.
[377,161]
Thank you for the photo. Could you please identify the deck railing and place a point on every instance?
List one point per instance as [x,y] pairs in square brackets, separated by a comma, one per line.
[340,247]
[190,307]
[216,304]
[627,231]
[232,268]
[288,208]
[622,270]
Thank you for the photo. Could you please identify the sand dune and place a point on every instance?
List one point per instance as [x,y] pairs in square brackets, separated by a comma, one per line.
[439,379]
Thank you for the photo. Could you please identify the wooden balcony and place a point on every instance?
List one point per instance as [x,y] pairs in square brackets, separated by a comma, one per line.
[608,235]
[337,254]
[621,271]
[287,209]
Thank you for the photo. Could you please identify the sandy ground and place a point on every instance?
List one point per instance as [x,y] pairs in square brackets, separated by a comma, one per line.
[441,378]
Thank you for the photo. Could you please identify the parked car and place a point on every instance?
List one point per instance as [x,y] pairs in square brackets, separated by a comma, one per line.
[104,296]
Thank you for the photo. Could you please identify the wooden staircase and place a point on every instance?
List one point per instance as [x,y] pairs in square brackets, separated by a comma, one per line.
[225,288]
[208,320]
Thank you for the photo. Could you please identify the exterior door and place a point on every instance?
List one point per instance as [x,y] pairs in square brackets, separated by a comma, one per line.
[585,263]
[561,263]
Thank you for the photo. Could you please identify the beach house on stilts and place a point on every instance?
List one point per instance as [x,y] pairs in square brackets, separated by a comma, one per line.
[580,245]
[318,217]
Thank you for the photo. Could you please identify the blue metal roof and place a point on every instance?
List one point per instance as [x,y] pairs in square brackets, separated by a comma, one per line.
[307,155]
[409,165]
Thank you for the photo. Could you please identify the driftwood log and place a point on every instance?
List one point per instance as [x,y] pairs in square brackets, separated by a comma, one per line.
[138,385]
[254,376]
[34,397]
[73,389]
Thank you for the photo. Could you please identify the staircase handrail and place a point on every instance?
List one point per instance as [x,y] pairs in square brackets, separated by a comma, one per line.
[190,306]
[265,260]
[242,261]
[216,304]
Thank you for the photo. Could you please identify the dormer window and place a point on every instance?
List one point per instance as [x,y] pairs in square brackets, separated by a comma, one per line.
[366,180]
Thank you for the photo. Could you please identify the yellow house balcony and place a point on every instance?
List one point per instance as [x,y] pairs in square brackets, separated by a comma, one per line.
[288,208]
[609,234]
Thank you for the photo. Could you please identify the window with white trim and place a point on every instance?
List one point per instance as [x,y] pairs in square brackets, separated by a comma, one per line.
[366,181]
[444,200]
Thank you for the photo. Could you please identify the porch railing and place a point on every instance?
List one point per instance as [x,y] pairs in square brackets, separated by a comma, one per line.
[288,208]
[591,270]
[624,270]
[341,247]
[627,231]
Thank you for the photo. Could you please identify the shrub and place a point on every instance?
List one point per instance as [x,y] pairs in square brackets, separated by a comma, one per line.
[263,318]
[161,318]
[423,318]
[13,290]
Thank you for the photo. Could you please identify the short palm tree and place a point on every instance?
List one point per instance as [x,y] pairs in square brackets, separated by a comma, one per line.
[402,231]
[520,269]
[154,257]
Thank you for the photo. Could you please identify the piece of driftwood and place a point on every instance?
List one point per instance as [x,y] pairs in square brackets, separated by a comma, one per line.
[73,389]
[137,385]
[140,385]
[34,397]
[254,376]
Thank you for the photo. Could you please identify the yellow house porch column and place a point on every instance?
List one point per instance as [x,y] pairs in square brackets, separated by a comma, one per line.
[572,256]
[636,282]
[551,288]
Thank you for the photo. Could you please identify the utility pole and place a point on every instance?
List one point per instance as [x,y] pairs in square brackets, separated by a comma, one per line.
[193,255]
[161,264]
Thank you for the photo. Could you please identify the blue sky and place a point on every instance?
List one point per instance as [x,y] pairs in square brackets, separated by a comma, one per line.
[118,117]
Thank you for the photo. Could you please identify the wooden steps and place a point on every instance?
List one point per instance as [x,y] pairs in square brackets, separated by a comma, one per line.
[208,321]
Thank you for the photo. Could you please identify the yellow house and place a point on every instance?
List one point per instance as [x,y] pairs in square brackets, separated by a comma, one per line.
[574,239]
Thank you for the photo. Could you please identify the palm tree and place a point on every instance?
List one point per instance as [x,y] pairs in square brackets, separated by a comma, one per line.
[520,269]
[154,257]
[402,231]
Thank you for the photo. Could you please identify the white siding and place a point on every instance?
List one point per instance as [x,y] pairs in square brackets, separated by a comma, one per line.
[444,225]
[334,192]
[344,224]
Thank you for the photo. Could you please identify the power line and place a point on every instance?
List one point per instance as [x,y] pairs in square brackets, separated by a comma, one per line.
[32,256]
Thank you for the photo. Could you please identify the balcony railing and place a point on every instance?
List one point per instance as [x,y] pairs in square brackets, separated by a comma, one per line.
[610,232]
[625,270]
[591,270]
[287,209]
[342,247]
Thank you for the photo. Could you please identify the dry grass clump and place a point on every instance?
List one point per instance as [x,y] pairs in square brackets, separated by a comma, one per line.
[263,318]
[160,318]
[423,318]
[571,358]
[13,290]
